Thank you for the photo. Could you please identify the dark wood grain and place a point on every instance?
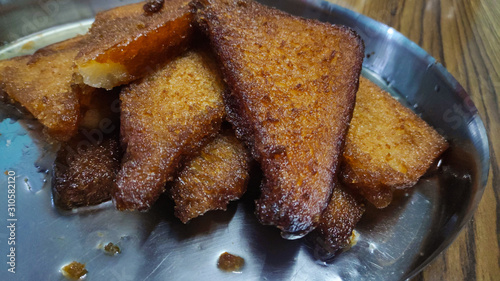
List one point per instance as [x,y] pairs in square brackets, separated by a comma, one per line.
[465,37]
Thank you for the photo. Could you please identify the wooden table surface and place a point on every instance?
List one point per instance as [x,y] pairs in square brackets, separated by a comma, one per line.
[465,37]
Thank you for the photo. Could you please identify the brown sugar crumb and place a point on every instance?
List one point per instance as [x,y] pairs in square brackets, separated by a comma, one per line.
[74,271]
[230,263]
[153,6]
[112,249]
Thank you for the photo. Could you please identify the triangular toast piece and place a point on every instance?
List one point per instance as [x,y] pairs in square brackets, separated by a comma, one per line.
[335,230]
[292,90]
[210,180]
[127,42]
[166,117]
[43,84]
[387,146]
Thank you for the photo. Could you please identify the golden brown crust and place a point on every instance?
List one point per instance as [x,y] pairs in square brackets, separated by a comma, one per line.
[84,172]
[166,117]
[212,179]
[387,146]
[125,43]
[293,83]
[43,84]
[338,221]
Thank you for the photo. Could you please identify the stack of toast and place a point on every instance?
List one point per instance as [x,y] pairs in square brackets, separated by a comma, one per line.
[326,140]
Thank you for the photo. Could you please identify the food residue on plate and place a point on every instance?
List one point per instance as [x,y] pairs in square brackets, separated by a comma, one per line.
[112,249]
[28,45]
[74,271]
[354,238]
[231,263]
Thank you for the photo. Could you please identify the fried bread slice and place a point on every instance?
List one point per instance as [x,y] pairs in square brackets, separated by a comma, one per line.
[166,117]
[209,181]
[84,172]
[127,42]
[337,222]
[86,166]
[387,146]
[43,84]
[292,89]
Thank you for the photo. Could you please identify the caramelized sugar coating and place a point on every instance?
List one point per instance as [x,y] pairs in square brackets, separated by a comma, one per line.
[293,83]
[338,221]
[85,171]
[126,43]
[166,117]
[43,84]
[213,178]
[388,146]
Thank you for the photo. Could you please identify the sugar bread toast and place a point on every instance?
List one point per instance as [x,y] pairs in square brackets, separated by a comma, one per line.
[337,222]
[292,89]
[209,181]
[84,172]
[165,117]
[43,83]
[86,166]
[127,42]
[387,146]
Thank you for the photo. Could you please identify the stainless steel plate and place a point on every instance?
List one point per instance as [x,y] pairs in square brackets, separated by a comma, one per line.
[394,243]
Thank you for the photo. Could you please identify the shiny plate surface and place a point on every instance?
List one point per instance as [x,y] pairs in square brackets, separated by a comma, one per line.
[394,243]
